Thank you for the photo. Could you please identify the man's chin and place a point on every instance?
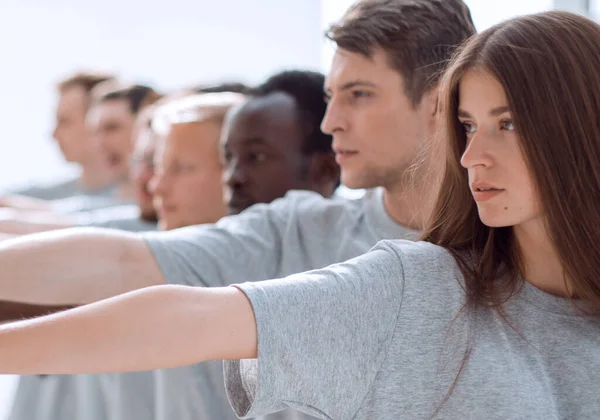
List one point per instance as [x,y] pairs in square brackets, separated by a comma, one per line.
[354,182]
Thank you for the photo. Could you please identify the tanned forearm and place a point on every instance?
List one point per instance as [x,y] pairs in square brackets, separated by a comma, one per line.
[153,328]
[75,266]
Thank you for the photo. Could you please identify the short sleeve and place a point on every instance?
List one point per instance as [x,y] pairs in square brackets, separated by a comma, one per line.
[245,247]
[322,338]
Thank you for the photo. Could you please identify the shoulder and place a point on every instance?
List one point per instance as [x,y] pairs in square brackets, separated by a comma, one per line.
[302,207]
[429,271]
[417,251]
[421,258]
[131,224]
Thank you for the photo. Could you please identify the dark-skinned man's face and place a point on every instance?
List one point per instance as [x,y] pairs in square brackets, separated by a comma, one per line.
[263,152]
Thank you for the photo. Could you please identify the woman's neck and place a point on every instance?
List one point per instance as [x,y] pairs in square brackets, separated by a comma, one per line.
[541,261]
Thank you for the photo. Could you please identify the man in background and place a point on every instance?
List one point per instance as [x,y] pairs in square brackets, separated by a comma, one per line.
[71,135]
[273,143]
[110,123]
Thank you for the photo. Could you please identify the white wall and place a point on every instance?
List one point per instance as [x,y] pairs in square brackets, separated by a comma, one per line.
[167,44]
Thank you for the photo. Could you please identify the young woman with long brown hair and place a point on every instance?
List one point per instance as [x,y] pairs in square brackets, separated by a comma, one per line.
[494,315]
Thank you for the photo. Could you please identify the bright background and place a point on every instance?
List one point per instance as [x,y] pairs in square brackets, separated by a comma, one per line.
[164,44]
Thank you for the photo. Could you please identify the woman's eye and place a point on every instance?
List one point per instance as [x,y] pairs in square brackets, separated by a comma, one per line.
[507,125]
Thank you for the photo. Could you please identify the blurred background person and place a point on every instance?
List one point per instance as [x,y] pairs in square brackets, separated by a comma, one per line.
[110,124]
[185,135]
[273,143]
[71,135]
[270,145]
[111,121]
[186,185]
[142,215]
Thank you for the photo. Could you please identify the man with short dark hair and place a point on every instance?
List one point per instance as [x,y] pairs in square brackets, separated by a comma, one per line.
[272,144]
[111,120]
[381,118]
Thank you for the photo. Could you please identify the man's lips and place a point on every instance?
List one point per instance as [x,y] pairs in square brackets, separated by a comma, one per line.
[342,154]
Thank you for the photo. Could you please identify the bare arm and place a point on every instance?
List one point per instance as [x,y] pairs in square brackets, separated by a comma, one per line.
[154,328]
[75,266]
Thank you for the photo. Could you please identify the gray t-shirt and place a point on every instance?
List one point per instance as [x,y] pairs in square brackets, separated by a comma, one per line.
[121,217]
[59,397]
[300,232]
[71,197]
[65,189]
[382,337]
[83,203]
[57,191]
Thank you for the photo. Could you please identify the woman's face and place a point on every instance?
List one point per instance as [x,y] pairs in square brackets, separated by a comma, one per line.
[499,178]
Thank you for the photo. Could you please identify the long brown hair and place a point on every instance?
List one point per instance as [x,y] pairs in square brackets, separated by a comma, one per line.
[549,67]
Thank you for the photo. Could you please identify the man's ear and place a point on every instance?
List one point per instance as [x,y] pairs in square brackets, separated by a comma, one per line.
[431,106]
[324,173]
[430,101]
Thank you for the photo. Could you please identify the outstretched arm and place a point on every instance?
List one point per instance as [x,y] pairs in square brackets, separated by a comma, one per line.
[154,328]
[75,266]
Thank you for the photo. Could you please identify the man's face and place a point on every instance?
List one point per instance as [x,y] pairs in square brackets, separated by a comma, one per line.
[70,131]
[377,131]
[111,126]
[262,149]
[187,181]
